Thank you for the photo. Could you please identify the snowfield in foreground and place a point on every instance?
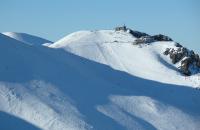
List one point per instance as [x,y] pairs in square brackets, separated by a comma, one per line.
[93,80]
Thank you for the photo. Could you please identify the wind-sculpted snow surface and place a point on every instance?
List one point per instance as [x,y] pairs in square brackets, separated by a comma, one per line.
[53,89]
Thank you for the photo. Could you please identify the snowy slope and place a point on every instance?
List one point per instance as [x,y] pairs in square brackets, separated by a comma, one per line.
[115,48]
[25,89]
[27,38]
[51,89]
[10,122]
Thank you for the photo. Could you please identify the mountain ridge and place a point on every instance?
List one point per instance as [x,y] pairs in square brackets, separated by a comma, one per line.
[27,38]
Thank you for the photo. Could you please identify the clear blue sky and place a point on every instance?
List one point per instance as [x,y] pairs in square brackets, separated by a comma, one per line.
[53,19]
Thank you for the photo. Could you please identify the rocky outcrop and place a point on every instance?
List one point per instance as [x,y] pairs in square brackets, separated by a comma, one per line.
[176,55]
[178,45]
[137,34]
[185,64]
[134,33]
[144,36]
[161,37]
[197,60]
[143,39]
[122,28]
[187,58]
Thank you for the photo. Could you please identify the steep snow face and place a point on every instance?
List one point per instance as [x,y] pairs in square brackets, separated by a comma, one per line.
[116,49]
[27,38]
[52,89]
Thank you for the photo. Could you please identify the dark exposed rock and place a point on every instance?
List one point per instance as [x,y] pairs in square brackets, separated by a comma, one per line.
[137,34]
[166,52]
[161,37]
[198,63]
[185,51]
[185,66]
[186,57]
[192,54]
[197,60]
[175,55]
[138,41]
[178,45]
[123,28]
[144,39]
[197,57]
[179,56]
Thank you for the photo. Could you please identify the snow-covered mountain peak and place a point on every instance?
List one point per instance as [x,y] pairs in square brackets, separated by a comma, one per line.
[131,51]
[107,79]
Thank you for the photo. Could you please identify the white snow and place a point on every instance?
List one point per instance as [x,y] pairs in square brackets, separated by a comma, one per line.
[148,109]
[94,80]
[27,38]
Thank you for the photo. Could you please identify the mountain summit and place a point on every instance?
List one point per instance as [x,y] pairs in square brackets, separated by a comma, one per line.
[134,52]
